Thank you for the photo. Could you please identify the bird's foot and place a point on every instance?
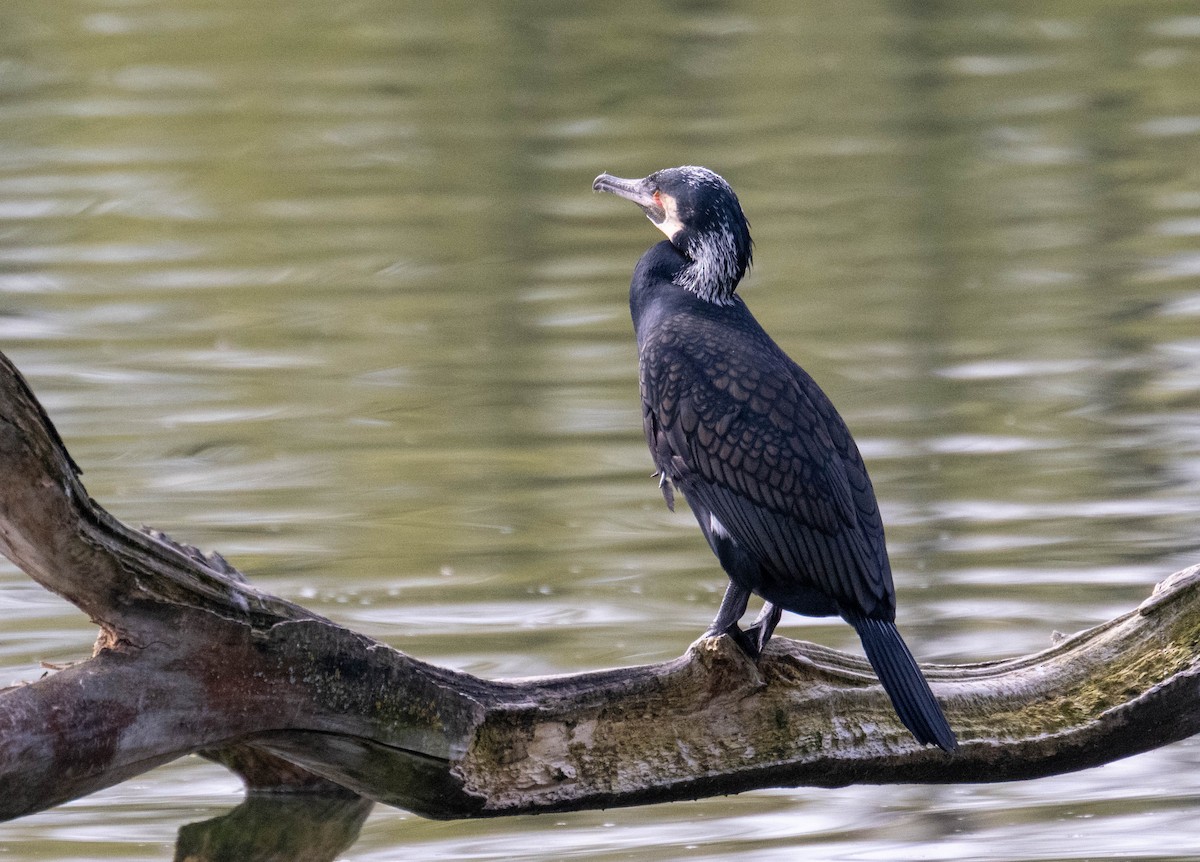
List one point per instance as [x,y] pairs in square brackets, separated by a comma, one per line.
[756,636]
[746,642]
[760,631]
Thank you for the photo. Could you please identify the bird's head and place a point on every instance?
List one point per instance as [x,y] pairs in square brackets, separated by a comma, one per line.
[702,218]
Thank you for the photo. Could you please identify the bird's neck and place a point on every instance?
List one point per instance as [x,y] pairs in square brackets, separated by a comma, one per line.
[712,268]
[656,292]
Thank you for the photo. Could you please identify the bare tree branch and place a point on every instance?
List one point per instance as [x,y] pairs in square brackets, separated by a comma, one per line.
[191,658]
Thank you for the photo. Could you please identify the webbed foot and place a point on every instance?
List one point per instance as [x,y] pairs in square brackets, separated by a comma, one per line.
[746,643]
[763,627]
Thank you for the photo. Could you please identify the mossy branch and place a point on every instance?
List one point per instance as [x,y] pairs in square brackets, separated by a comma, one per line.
[191,658]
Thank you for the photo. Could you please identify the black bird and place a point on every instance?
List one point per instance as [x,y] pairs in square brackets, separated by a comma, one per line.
[767,465]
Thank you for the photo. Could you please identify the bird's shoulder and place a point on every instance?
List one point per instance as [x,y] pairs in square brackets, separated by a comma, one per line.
[725,405]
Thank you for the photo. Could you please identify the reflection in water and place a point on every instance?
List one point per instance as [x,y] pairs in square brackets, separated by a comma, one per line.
[327,291]
[276,828]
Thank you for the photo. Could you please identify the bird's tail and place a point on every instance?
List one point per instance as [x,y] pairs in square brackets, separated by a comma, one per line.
[904,682]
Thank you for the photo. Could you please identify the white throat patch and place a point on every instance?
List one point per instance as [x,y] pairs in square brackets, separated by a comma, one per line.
[670,225]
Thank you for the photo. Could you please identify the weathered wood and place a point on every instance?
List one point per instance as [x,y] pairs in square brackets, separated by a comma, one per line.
[191,658]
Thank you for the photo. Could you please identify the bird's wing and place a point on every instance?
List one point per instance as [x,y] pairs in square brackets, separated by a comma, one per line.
[752,439]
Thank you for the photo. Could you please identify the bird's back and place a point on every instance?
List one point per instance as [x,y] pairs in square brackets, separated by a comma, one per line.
[748,435]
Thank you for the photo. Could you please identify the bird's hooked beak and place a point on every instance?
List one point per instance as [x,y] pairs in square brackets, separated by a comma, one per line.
[642,192]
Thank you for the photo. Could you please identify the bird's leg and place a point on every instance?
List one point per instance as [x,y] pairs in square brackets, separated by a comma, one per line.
[763,627]
[733,605]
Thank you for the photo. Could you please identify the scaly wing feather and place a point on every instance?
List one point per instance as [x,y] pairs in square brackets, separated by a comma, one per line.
[753,440]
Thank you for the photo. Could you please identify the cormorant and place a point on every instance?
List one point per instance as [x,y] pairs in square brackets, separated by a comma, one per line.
[767,465]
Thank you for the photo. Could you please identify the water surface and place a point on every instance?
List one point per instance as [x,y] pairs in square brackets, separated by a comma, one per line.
[323,287]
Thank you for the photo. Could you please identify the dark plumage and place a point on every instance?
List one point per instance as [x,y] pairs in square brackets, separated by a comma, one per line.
[766,463]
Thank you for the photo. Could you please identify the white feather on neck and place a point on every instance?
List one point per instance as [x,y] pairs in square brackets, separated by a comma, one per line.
[713,272]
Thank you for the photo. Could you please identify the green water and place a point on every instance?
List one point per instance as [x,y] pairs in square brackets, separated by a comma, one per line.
[323,287]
